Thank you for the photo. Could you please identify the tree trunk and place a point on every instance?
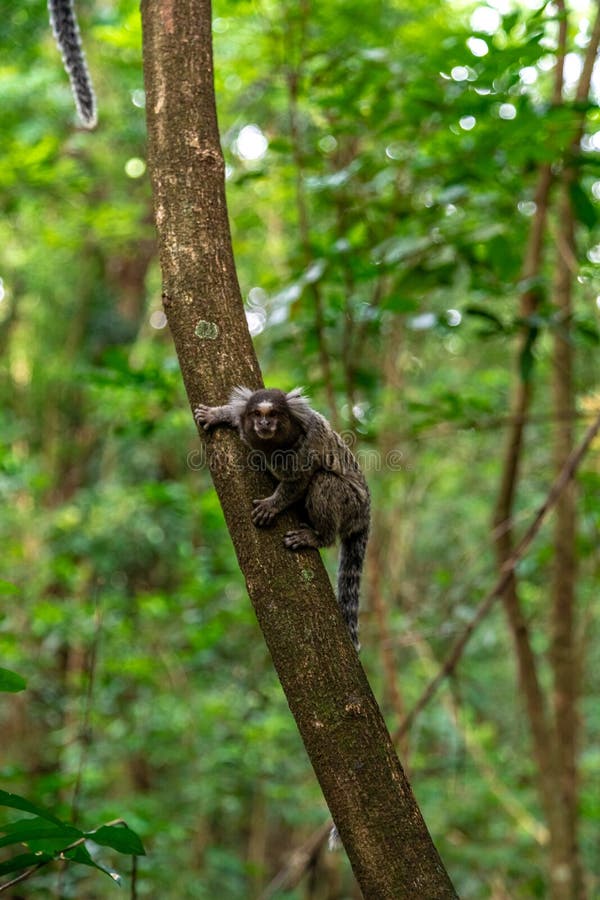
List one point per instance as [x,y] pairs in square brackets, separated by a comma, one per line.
[565,869]
[346,739]
[554,738]
[542,735]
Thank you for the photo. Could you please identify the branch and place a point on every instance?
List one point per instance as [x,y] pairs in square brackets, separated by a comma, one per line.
[299,862]
[543,745]
[585,79]
[293,86]
[487,603]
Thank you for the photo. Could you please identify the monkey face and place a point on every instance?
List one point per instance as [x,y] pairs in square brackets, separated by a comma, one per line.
[264,420]
[267,423]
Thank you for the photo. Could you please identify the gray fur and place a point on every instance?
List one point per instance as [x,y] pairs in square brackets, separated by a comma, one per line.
[315,469]
[238,400]
[299,405]
[66,32]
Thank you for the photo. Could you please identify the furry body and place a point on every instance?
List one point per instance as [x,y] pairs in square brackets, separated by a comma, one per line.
[66,32]
[315,470]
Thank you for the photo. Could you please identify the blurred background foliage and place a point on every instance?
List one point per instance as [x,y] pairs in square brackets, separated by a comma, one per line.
[381,165]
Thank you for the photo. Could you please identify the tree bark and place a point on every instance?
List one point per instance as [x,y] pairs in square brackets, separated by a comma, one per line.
[564,652]
[346,739]
[567,881]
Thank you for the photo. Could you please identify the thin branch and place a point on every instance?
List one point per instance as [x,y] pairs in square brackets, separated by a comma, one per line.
[299,862]
[561,52]
[349,324]
[24,875]
[511,804]
[493,423]
[293,85]
[585,79]
[85,729]
[134,870]
[453,658]
[384,641]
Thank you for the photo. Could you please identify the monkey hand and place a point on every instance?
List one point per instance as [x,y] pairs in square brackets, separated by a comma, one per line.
[205,416]
[264,511]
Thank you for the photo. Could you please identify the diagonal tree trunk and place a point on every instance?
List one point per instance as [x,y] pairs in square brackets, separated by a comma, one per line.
[349,747]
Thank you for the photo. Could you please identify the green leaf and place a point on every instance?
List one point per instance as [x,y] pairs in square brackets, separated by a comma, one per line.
[453,193]
[14,801]
[10,682]
[400,304]
[7,587]
[589,331]
[23,861]
[397,249]
[509,22]
[119,837]
[526,357]
[279,145]
[82,856]
[584,209]
[536,282]
[25,830]
[487,315]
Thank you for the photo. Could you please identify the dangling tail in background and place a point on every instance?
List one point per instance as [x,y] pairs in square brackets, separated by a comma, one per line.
[66,31]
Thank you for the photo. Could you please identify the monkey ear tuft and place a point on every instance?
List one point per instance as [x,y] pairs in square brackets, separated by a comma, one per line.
[238,399]
[299,406]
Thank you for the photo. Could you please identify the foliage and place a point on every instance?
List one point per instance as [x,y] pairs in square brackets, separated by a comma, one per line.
[49,839]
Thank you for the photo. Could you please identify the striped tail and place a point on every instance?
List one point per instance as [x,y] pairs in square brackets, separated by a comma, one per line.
[350,568]
[349,572]
[66,31]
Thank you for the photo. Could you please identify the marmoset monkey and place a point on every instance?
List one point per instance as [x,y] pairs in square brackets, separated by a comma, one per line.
[314,468]
[66,32]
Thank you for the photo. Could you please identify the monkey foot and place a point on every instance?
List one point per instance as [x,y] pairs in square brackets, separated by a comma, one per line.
[302,537]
